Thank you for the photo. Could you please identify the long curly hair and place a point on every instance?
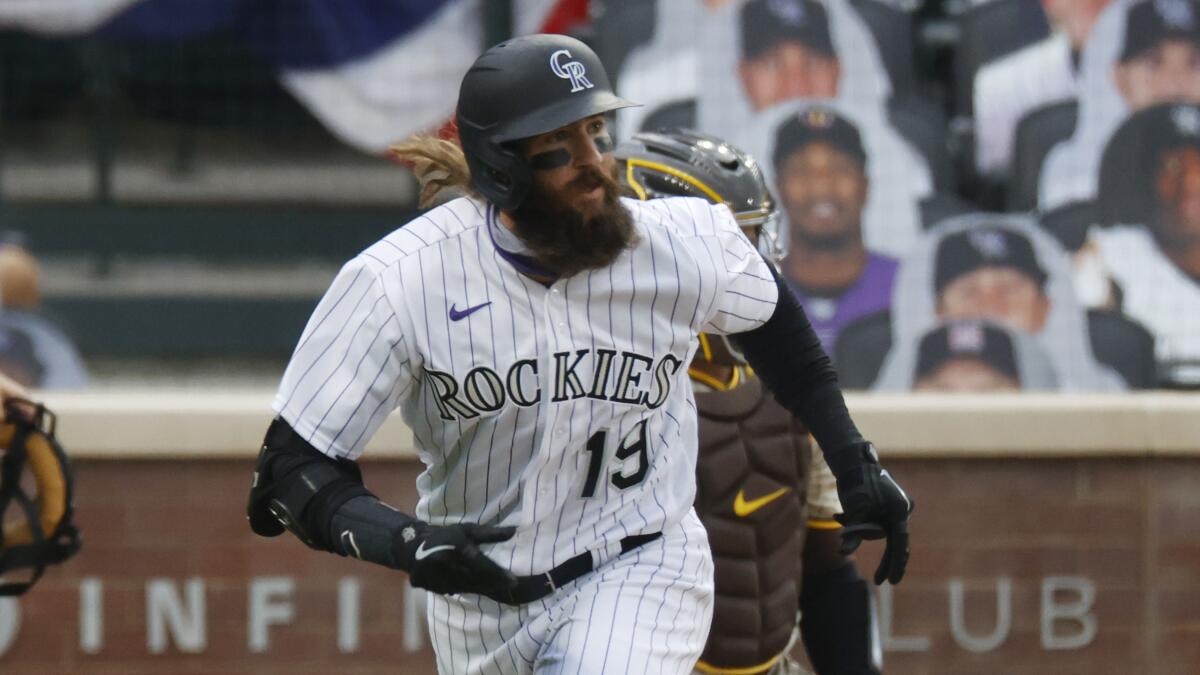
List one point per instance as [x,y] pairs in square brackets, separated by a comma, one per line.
[440,166]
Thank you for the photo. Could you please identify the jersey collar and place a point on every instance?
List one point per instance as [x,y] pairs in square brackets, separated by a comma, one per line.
[511,248]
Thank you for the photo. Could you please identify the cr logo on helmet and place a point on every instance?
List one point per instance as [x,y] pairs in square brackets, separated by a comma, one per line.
[571,70]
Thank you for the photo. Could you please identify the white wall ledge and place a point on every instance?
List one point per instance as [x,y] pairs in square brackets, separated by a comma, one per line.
[199,424]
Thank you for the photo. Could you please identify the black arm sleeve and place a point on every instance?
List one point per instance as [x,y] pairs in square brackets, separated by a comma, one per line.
[366,528]
[786,353]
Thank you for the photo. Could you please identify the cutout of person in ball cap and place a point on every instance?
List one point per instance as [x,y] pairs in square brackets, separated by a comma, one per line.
[786,52]
[992,272]
[1002,268]
[755,54]
[763,60]
[973,355]
[896,176]
[1140,53]
[1150,194]
[821,181]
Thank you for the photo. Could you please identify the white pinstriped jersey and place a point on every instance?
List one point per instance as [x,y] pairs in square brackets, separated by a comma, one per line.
[564,410]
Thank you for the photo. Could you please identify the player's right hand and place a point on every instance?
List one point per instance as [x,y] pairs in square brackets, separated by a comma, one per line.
[874,506]
[447,559]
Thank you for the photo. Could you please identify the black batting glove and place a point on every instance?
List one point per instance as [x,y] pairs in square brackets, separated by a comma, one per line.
[874,506]
[447,559]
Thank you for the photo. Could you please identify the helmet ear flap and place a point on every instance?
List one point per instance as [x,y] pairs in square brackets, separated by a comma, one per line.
[500,174]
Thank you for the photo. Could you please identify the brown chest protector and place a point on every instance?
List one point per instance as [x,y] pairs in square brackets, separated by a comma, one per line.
[751,488]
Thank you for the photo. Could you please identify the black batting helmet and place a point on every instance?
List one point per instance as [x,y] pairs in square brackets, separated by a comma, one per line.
[691,164]
[521,88]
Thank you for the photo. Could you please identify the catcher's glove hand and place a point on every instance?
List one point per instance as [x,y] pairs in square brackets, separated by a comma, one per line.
[874,507]
[447,559]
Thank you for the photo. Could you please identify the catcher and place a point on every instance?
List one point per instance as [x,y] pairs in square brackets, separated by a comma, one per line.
[37,529]
[757,474]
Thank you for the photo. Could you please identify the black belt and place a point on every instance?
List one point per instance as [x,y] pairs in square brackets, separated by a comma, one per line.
[538,586]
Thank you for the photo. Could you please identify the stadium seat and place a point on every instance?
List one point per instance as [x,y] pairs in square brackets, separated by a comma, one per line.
[1124,195]
[621,27]
[237,322]
[1037,133]
[988,31]
[227,234]
[942,205]
[861,348]
[674,115]
[1125,346]
[183,326]
[1069,223]
[923,125]
[1179,375]
[1117,341]
[893,31]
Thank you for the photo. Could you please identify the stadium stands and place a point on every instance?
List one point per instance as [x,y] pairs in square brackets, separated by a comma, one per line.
[988,31]
[132,147]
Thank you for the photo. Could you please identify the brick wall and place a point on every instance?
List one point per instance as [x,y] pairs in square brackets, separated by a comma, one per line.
[985,529]
[1130,528]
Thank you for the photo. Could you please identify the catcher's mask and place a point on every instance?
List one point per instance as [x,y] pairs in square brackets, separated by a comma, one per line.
[42,534]
[691,164]
[518,89]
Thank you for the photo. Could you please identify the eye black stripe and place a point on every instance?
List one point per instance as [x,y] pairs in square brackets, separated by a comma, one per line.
[551,159]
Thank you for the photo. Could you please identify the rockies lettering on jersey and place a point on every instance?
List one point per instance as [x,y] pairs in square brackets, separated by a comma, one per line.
[563,410]
[483,391]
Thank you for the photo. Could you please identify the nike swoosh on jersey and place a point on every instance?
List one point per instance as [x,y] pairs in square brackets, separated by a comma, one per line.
[456,315]
[423,553]
[744,508]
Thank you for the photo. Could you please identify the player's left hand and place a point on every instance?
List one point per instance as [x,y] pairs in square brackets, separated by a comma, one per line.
[447,559]
[874,507]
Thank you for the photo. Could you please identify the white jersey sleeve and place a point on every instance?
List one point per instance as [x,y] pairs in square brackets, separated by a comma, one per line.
[350,367]
[746,292]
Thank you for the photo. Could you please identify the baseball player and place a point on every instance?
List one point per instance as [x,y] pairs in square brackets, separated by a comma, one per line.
[756,475]
[534,335]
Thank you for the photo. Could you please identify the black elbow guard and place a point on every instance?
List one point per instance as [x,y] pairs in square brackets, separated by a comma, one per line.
[298,488]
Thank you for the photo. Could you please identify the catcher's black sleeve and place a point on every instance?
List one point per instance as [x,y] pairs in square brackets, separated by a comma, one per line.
[786,353]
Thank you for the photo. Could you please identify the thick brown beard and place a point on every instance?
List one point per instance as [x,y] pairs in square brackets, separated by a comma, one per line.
[566,241]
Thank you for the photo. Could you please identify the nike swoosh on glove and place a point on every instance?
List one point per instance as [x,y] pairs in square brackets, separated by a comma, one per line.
[447,559]
[874,506]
